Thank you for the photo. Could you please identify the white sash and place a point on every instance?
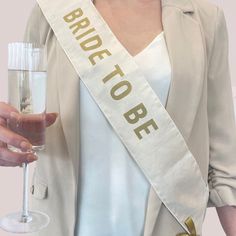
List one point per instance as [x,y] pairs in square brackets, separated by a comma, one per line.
[117,85]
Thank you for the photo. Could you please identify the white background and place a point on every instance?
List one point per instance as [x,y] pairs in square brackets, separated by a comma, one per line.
[13,17]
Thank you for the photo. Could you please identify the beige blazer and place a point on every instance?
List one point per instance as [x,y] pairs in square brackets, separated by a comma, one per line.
[200,102]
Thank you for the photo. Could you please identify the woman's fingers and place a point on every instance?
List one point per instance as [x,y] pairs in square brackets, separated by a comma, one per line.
[8,163]
[51,118]
[9,137]
[6,109]
[2,144]
[3,122]
[7,157]
[31,126]
[32,121]
[12,120]
[19,129]
[27,123]
[16,158]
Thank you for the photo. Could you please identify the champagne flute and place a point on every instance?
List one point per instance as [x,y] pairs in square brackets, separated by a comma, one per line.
[27,92]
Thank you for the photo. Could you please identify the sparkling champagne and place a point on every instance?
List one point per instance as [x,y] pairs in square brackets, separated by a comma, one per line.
[28,89]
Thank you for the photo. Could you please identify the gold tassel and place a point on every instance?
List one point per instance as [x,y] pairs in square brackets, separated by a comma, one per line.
[191,227]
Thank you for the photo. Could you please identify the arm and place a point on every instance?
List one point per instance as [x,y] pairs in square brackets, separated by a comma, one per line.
[222,131]
[227,216]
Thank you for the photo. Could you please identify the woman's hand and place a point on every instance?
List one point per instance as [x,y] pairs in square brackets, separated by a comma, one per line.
[7,157]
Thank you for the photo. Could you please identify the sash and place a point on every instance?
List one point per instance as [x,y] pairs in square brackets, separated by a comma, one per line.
[131,106]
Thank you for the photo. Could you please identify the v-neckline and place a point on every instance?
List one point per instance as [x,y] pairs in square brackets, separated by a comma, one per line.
[159,35]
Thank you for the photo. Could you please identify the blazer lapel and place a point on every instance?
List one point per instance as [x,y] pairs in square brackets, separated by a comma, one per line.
[186,50]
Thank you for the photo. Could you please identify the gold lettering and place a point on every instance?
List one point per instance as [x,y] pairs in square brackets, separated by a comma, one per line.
[145,127]
[73,15]
[95,41]
[137,112]
[122,94]
[98,54]
[84,23]
[85,33]
[117,71]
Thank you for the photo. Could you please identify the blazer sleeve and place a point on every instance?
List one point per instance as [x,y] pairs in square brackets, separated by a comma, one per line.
[221,121]
[37,28]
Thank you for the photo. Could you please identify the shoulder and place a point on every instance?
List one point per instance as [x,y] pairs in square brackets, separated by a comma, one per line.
[212,20]
[208,11]
[209,14]
[37,28]
[205,7]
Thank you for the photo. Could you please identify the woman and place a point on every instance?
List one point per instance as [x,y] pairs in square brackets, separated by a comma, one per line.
[97,189]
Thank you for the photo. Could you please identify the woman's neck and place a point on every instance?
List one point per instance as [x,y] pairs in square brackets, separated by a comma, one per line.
[129,2]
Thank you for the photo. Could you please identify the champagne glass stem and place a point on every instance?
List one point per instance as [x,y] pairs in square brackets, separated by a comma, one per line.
[25,217]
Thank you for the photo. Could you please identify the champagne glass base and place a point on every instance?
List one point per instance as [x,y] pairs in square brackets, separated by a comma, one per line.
[13,222]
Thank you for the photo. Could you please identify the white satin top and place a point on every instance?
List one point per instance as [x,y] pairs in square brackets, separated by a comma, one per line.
[113,191]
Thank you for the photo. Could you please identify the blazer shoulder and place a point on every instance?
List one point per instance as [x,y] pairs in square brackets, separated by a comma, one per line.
[37,28]
[208,14]
[206,11]
[206,6]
